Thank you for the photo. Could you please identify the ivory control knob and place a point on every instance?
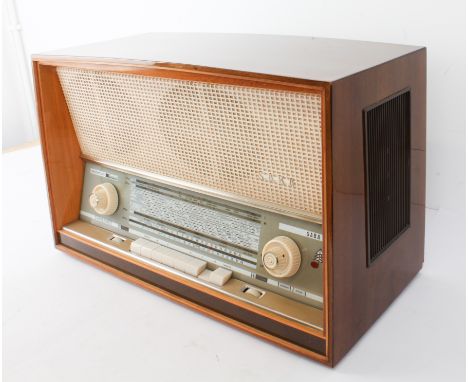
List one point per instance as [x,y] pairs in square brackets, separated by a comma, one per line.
[281,257]
[104,199]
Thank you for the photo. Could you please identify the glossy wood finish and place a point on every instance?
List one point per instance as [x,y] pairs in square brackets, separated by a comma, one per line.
[311,343]
[192,305]
[60,149]
[361,293]
[327,224]
[183,72]
[305,57]
[97,238]
[288,336]
[354,295]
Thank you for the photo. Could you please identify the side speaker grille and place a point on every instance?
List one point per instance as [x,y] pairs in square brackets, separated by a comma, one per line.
[387,161]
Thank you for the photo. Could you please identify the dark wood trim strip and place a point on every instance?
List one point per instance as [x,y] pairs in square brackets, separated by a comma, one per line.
[284,332]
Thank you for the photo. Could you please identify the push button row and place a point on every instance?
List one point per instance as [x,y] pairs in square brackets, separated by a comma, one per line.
[167,256]
[180,261]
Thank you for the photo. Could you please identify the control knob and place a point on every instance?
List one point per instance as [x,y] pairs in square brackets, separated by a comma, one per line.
[104,199]
[281,257]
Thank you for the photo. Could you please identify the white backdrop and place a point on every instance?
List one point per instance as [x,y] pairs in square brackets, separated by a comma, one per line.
[65,321]
[51,24]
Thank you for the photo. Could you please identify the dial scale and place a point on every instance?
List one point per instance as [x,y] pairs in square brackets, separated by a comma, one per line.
[267,250]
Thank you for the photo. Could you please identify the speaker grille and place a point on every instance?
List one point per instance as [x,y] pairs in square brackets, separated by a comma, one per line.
[387,153]
[256,143]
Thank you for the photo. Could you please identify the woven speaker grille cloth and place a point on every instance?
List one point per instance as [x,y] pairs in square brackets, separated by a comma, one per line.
[223,137]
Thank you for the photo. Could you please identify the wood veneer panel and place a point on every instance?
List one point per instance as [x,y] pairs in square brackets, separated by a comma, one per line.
[281,334]
[354,295]
[313,58]
[361,293]
[60,149]
[188,73]
[62,154]
[327,188]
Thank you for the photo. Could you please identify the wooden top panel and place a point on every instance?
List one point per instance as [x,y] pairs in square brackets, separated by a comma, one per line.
[309,58]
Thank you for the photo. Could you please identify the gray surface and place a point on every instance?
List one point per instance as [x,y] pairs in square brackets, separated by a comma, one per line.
[309,58]
[66,321]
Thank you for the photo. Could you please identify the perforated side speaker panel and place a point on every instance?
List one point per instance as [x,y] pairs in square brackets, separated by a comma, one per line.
[260,144]
[387,136]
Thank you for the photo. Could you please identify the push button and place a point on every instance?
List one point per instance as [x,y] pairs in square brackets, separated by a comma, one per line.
[219,276]
[251,291]
[167,256]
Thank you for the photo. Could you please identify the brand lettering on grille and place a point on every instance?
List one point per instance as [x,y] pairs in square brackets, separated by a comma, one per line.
[277,179]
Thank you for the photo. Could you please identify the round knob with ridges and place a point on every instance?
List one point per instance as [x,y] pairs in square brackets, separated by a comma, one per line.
[104,199]
[281,257]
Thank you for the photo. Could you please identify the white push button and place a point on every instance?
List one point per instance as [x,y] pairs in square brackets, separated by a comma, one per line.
[253,292]
[167,256]
[138,244]
[220,276]
[205,275]
[146,250]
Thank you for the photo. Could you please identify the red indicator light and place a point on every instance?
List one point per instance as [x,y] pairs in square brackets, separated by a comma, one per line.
[314,264]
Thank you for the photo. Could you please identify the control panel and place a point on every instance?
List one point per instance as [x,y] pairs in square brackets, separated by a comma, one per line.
[207,237]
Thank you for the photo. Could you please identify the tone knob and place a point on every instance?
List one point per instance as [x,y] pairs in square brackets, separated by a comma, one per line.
[104,199]
[281,257]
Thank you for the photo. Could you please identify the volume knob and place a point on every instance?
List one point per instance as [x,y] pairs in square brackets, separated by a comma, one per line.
[281,257]
[104,199]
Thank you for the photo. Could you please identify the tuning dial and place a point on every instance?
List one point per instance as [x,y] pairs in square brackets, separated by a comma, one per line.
[281,257]
[104,199]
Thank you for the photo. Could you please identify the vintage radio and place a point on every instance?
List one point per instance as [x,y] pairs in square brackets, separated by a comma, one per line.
[274,183]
